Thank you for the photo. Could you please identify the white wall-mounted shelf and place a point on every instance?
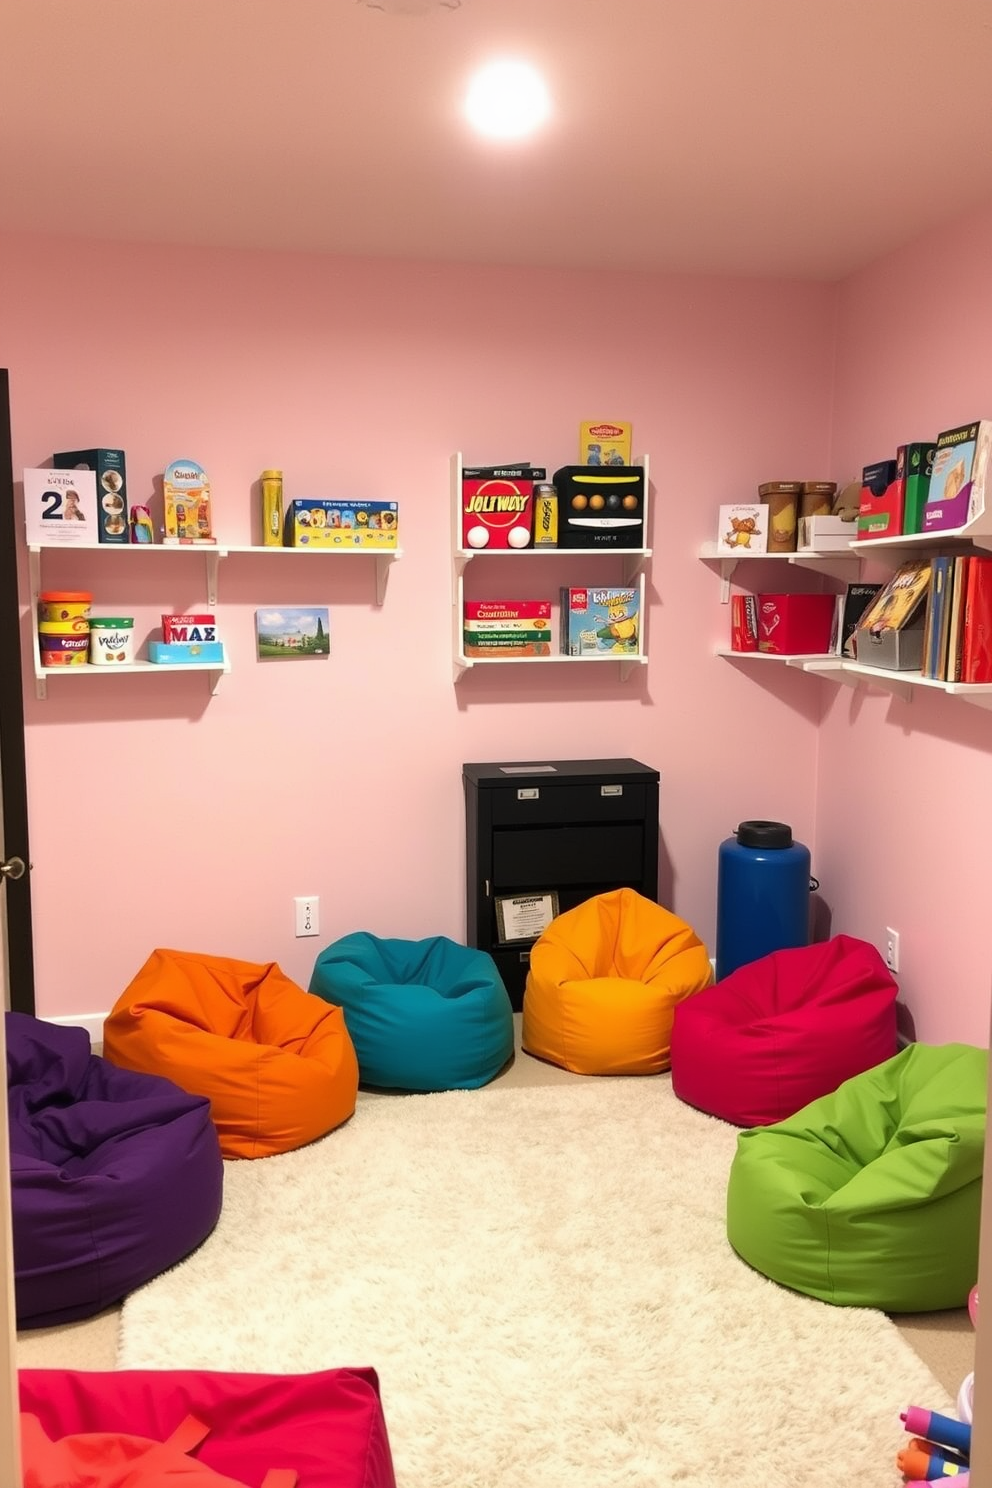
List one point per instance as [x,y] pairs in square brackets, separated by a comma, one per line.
[213,555]
[835,565]
[633,563]
[799,658]
[627,664]
[634,560]
[900,684]
[214,671]
[977,531]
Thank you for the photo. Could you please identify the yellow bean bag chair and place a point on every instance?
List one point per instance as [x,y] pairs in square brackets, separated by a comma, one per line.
[603,984]
[276,1063]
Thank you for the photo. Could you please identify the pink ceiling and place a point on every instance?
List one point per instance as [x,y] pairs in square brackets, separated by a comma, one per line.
[784,137]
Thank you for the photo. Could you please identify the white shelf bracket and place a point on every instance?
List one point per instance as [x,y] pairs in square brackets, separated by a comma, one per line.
[213,562]
[383,563]
[727,566]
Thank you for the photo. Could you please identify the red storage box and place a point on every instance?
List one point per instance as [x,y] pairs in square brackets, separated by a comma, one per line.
[795,624]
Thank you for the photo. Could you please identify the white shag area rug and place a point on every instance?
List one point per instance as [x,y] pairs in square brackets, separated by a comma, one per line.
[542,1280]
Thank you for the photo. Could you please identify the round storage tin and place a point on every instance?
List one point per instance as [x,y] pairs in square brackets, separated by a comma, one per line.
[63,604]
[111,640]
[64,642]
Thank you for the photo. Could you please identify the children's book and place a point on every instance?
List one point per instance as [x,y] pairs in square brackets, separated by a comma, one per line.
[898,601]
[856,601]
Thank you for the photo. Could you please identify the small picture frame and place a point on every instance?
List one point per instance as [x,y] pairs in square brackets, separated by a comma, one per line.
[524,916]
[292,632]
[743,529]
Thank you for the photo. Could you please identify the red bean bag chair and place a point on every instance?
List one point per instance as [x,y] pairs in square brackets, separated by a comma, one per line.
[322,1430]
[276,1063]
[784,1030]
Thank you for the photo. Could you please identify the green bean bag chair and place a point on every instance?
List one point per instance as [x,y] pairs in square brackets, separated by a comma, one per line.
[423,1015]
[870,1196]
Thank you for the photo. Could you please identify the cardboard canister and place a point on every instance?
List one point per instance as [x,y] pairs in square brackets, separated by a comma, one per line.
[782,499]
[111,640]
[64,642]
[55,605]
[817,498]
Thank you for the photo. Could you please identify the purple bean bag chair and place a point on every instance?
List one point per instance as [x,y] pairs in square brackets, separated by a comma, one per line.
[114,1176]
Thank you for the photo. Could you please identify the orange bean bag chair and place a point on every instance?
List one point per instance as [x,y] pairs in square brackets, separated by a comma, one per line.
[276,1063]
[603,984]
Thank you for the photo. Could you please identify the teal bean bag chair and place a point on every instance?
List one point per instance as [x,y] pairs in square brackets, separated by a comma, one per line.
[870,1196]
[422,1014]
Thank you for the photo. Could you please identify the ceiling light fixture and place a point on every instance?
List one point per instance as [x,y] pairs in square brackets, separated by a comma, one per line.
[507,100]
[410,7]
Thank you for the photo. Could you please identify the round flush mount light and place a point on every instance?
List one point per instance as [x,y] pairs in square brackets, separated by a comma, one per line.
[507,100]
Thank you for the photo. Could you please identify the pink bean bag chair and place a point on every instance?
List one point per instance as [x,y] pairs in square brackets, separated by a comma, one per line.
[783,1031]
[323,1430]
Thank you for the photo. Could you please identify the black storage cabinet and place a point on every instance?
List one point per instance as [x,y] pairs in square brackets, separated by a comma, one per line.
[572,827]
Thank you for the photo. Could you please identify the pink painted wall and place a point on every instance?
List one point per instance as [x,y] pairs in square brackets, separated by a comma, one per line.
[162,816]
[905,788]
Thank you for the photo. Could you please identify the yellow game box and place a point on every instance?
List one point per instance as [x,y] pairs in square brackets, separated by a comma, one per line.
[311,523]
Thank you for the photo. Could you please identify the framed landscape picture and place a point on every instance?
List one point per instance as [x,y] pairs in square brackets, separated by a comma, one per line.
[289,633]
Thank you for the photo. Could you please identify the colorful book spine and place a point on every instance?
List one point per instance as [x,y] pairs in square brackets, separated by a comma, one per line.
[976,644]
[938,616]
[744,622]
[953,669]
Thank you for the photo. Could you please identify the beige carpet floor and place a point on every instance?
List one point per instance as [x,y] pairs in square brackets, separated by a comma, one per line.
[944,1341]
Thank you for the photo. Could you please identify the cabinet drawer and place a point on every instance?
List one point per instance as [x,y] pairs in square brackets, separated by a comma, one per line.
[604,802]
[549,856]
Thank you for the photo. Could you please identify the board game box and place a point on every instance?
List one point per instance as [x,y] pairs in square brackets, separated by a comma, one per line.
[600,622]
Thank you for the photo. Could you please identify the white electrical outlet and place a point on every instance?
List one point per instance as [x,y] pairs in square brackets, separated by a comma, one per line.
[307,914]
[892,949]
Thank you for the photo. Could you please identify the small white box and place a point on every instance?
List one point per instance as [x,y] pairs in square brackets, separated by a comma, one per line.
[826,534]
[60,507]
[743,528]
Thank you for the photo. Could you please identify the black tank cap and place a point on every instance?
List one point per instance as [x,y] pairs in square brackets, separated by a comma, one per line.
[768,834]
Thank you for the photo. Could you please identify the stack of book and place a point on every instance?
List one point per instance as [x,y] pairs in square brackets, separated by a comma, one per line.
[957,633]
[934,616]
[506,629]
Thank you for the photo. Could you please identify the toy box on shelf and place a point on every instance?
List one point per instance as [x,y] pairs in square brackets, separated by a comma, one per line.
[497,506]
[109,468]
[795,624]
[600,508]
[187,639]
[368,525]
[599,621]
[507,628]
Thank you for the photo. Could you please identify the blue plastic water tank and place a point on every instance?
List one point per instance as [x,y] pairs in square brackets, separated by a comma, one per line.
[762,901]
